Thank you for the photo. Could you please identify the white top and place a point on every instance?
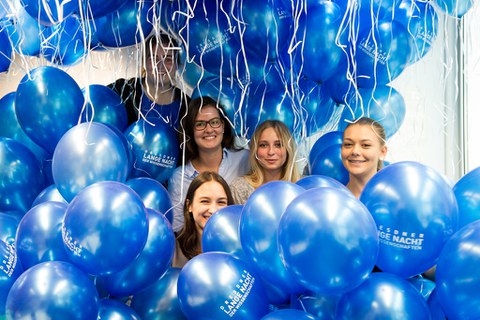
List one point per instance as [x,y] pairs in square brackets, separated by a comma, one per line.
[234,164]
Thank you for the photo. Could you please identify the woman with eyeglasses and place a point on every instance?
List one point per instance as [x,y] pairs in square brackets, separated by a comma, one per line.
[272,157]
[209,145]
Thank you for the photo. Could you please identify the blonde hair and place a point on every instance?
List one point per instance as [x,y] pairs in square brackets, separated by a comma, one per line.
[256,176]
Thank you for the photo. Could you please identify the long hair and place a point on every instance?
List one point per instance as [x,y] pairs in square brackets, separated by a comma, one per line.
[188,237]
[188,124]
[256,176]
[377,128]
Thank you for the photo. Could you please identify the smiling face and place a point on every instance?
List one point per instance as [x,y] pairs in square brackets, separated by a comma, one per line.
[160,65]
[271,153]
[208,139]
[207,199]
[362,148]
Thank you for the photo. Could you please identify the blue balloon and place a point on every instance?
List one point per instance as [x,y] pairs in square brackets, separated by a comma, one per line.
[455,8]
[105,228]
[328,139]
[467,193]
[10,270]
[371,301]
[172,15]
[150,264]
[21,176]
[46,117]
[99,8]
[5,51]
[383,104]
[126,26]
[288,314]
[259,225]
[457,291]
[160,300]
[155,149]
[413,226]
[320,305]
[232,287]
[382,56]
[338,238]
[319,181]
[221,232]
[154,195]
[39,234]
[209,39]
[24,32]
[10,127]
[329,163]
[435,307]
[341,85]
[50,193]
[63,43]
[318,33]
[49,12]
[104,106]
[53,290]
[423,285]
[110,309]
[8,228]
[88,153]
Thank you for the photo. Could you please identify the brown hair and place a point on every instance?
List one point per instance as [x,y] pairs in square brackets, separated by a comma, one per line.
[188,237]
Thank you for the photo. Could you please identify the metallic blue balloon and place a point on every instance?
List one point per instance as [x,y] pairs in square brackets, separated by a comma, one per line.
[155,149]
[435,307]
[338,238]
[110,309]
[10,127]
[8,228]
[88,153]
[221,232]
[53,290]
[128,25]
[288,314]
[39,234]
[160,300]
[458,291]
[259,225]
[151,263]
[217,285]
[50,193]
[319,181]
[100,8]
[49,12]
[5,51]
[320,305]
[154,195]
[48,102]
[21,178]
[104,106]
[329,163]
[105,228]
[467,193]
[416,213]
[10,270]
[326,140]
[24,32]
[423,285]
[455,8]
[383,296]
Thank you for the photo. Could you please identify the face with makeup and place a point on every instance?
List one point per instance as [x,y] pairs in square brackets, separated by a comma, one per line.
[208,129]
[271,153]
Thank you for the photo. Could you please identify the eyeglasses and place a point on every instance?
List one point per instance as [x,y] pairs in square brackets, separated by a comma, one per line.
[214,123]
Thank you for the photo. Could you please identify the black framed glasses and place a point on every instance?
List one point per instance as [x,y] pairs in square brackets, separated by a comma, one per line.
[214,123]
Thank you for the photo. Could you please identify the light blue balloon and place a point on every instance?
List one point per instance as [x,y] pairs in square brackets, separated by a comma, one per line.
[24,32]
[456,8]
[50,193]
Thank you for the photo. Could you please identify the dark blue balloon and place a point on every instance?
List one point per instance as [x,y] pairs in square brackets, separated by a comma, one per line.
[341,85]
[46,117]
[53,290]
[155,149]
[110,309]
[88,153]
[8,228]
[99,8]
[160,300]
[105,228]
[126,26]
[319,181]
[50,193]
[21,178]
[338,238]
[329,163]
[457,291]
[382,103]
[39,234]
[258,232]
[371,301]
[288,314]
[63,43]
[24,32]
[221,232]
[227,287]
[10,270]
[105,106]
[49,12]
[455,8]
[325,141]
[320,305]
[435,307]
[467,193]
[151,263]
[416,213]
[10,128]
[5,51]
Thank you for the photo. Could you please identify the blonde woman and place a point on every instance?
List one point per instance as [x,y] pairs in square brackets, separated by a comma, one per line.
[272,157]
